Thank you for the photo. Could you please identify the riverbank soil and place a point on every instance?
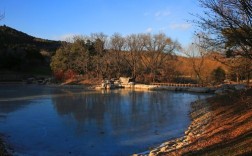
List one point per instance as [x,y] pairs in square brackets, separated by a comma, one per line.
[221,125]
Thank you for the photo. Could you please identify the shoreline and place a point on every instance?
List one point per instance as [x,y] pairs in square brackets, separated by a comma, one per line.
[220,125]
[172,145]
[4,149]
[219,90]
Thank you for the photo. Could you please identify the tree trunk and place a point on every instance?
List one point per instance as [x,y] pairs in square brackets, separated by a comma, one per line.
[248,78]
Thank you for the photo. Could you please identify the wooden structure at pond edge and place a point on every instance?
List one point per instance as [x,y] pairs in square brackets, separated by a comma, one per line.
[177,84]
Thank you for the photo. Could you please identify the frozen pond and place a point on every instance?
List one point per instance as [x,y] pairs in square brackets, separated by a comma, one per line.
[37,120]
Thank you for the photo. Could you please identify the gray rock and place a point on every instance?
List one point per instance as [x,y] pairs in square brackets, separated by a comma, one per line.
[240,87]
[219,91]
[199,89]
[227,86]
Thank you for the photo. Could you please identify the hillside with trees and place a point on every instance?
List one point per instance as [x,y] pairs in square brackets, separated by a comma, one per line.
[146,58]
[22,52]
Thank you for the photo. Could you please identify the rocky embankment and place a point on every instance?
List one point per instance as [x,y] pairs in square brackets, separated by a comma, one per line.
[221,125]
[3,149]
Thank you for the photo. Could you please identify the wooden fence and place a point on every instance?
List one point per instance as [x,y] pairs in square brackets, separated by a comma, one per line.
[177,84]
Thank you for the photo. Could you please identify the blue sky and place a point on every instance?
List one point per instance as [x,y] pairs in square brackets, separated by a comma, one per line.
[57,19]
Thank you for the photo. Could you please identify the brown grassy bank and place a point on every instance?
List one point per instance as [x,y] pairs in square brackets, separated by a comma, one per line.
[221,125]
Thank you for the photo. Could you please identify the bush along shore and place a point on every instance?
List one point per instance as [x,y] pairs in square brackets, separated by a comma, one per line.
[221,125]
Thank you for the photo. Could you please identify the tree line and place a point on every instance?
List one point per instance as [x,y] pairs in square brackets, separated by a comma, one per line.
[21,52]
[144,57]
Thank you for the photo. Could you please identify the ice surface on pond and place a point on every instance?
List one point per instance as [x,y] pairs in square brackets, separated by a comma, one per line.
[38,120]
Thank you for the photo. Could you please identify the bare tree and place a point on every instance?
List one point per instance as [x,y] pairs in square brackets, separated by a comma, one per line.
[197,55]
[228,24]
[117,43]
[2,16]
[134,44]
[159,48]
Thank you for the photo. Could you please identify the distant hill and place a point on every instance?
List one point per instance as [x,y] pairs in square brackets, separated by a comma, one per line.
[24,53]
[10,37]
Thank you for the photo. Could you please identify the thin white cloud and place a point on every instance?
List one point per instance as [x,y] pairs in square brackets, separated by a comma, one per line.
[163,13]
[146,14]
[162,29]
[180,26]
[158,15]
[65,37]
[149,30]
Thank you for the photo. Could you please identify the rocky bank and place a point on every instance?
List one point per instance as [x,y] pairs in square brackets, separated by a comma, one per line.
[3,148]
[221,125]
